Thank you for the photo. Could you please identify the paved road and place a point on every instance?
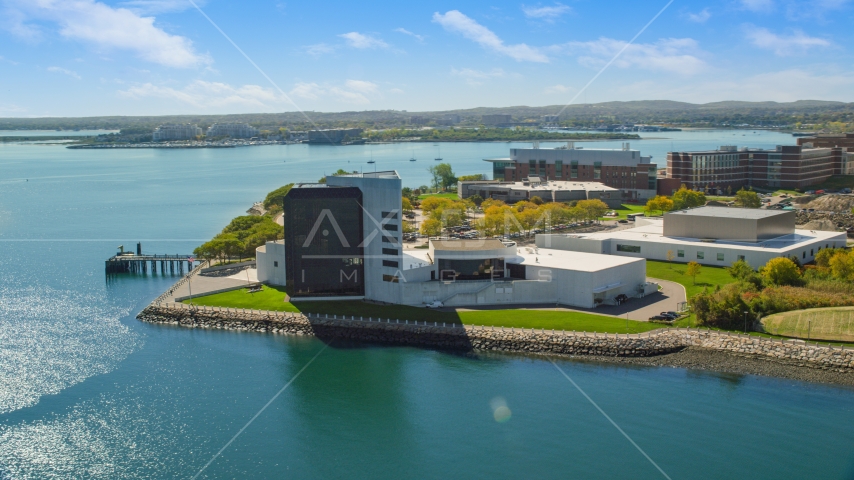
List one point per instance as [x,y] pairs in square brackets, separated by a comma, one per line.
[667,299]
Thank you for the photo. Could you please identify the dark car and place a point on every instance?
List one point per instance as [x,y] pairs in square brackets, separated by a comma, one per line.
[659,317]
[669,315]
[623,221]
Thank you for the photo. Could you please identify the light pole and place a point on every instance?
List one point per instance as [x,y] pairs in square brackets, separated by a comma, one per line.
[745,321]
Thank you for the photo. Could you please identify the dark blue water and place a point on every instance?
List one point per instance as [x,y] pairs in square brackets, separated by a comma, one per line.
[86,391]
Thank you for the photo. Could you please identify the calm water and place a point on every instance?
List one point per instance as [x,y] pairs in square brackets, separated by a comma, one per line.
[86,391]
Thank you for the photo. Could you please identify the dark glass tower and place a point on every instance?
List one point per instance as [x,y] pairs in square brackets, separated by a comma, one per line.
[323,237]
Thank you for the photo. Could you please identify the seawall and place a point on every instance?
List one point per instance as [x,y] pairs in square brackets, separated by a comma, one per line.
[466,338]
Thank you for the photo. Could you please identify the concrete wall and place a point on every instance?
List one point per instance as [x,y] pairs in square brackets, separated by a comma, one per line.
[573,243]
[379,194]
[752,230]
[266,257]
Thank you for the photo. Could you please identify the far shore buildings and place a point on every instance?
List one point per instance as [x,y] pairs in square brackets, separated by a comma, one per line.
[334,136]
[549,191]
[715,236]
[233,130]
[496,120]
[176,132]
[624,169]
[343,241]
[731,168]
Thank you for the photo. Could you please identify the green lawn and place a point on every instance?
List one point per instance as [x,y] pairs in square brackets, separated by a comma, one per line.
[675,272]
[452,196]
[272,298]
[624,210]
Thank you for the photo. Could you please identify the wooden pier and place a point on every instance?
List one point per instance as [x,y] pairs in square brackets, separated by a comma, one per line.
[149,263]
[128,262]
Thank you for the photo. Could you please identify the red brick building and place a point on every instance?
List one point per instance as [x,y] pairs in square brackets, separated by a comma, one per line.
[730,168]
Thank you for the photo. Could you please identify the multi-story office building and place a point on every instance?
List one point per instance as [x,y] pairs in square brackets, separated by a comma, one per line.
[233,130]
[844,141]
[624,169]
[176,132]
[496,119]
[730,168]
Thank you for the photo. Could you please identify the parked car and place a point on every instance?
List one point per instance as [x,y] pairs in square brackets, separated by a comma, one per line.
[623,221]
[435,304]
[659,317]
[670,315]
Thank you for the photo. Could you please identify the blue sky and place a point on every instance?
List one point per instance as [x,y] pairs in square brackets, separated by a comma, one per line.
[152,57]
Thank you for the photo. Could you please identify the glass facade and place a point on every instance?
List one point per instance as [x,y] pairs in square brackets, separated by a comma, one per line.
[498,170]
[482,269]
[323,231]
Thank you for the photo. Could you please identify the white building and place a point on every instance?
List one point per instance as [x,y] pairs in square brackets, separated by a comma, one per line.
[176,132]
[342,240]
[233,130]
[742,234]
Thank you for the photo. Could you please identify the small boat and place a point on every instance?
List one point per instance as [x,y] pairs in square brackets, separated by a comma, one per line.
[439,152]
[413,156]
[371,161]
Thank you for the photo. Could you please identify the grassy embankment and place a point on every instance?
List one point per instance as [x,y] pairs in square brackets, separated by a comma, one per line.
[831,324]
[272,298]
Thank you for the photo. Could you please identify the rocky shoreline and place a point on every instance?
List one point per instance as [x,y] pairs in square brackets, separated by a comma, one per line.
[683,348]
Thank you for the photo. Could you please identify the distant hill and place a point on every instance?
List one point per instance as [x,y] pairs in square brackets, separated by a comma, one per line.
[642,111]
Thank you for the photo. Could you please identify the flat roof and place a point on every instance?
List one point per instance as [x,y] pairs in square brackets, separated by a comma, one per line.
[654,232]
[549,185]
[381,174]
[569,260]
[728,212]
[472,245]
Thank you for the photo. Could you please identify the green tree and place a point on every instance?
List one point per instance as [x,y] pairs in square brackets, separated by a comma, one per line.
[275,197]
[472,178]
[443,176]
[659,203]
[743,272]
[692,270]
[340,171]
[684,198]
[781,271]
[431,227]
[747,199]
[823,256]
[476,199]
[842,265]
[406,205]
[537,200]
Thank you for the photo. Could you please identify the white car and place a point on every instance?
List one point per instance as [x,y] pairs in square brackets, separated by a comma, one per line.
[435,304]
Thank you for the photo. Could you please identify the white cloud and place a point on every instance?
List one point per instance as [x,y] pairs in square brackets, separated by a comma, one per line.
[558,89]
[319,49]
[359,92]
[204,94]
[454,21]
[699,17]
[676,55]
[362,41]
[361,86]
[547,13]
[105,27]
[477,77]
[783,45]
[64,72]
[758,5]
[158,6]
[404,31]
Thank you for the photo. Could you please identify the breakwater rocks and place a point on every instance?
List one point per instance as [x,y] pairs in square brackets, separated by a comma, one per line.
[456,337]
